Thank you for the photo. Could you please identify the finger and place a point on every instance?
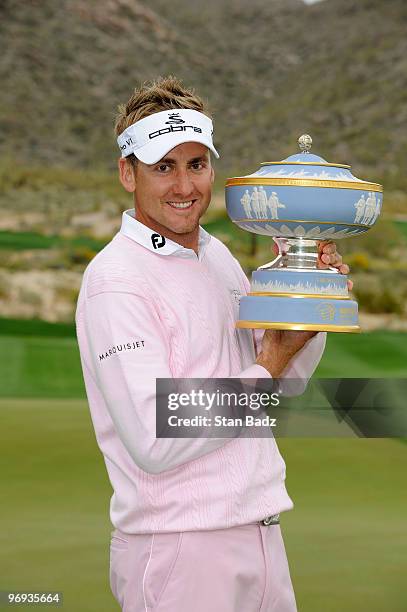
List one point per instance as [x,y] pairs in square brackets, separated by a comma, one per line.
[334,260]
[329,248]
[321,265]
[344,269]
[350,285]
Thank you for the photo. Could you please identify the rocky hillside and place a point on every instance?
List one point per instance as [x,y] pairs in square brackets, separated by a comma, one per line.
[271,70]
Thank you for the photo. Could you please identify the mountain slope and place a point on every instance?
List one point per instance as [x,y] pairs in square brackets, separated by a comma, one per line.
[270,70]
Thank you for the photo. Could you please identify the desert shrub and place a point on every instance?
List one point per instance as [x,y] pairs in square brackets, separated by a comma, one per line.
[80,255]
[358,262]
[15,175]
[377,242]
[69,294]
[381,292]
[395,202]
[4,286]
[30,297]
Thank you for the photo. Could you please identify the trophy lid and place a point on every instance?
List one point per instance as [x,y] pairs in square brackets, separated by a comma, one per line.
[305,157]
[304,169]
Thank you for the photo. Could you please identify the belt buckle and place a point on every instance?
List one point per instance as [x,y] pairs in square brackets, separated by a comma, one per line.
[274,519]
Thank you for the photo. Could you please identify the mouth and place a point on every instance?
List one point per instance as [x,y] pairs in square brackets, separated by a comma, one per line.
[182,205]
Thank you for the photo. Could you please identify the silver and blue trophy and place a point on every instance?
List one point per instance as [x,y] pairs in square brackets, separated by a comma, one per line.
[299,201]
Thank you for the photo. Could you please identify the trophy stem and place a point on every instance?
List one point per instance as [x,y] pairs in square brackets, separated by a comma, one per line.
[298,253]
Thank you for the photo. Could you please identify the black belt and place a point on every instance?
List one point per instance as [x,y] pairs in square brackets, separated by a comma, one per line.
[274,519]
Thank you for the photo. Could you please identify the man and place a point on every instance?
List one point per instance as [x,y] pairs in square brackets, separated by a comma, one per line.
[255,203]
[245,200]
[196,520]
[275,204]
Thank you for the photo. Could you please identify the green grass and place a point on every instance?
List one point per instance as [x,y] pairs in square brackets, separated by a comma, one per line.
[26,240]
[402,228]
[56,524]
[40,359]
[345,539]
[35,327]
[376,354]
[40,367]
[19,241]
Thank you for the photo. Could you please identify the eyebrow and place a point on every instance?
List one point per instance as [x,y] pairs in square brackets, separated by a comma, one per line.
[169,160]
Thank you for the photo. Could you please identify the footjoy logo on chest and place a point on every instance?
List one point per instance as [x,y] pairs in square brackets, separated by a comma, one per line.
[157,240]
[121,348]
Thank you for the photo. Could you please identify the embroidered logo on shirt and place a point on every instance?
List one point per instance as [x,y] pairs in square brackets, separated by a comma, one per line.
[157,240]
[119,348]
[236,295]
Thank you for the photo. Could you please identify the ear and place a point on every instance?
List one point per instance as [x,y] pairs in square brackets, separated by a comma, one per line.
[126,175]
[212,175]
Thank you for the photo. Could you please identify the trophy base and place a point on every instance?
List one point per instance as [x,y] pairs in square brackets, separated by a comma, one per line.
[284,298]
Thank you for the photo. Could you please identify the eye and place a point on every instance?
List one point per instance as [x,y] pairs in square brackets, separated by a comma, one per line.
[163,168]
[198,165]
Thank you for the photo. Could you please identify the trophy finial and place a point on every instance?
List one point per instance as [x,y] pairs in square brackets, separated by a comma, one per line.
[305,143]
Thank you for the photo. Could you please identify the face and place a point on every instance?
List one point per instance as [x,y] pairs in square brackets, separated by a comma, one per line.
[172,195]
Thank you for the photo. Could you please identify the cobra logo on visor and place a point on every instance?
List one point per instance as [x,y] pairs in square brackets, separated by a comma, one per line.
[174,128]
[174,118]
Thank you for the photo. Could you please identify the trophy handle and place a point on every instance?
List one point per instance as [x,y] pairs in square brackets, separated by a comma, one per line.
[276,263]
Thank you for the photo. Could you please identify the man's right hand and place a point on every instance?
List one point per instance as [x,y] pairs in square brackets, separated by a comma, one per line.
[278,347]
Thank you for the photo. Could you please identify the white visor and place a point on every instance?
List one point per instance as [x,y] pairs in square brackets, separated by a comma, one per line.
[152,137]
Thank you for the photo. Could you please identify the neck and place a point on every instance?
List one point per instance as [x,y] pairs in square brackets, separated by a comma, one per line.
[188,240]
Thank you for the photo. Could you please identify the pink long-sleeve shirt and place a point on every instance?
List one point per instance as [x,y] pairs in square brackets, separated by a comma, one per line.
[150,310]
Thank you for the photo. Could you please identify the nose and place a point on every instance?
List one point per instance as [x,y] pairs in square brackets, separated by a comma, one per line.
[183,185]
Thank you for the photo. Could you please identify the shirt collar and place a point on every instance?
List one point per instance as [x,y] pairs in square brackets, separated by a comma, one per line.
[153,241]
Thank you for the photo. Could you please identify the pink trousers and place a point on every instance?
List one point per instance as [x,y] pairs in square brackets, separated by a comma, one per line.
[242,569]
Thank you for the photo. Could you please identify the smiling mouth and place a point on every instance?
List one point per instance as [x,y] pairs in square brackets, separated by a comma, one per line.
[181,205]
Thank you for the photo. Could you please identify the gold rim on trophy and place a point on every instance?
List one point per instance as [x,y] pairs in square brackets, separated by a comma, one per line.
[299,326]
[301,221]
[301,295]
[302,163]
[361,186]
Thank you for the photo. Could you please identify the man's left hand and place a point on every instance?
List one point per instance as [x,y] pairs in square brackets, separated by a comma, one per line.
[328,256]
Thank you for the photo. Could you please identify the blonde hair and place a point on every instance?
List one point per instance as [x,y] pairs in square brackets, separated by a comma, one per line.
[154,96]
